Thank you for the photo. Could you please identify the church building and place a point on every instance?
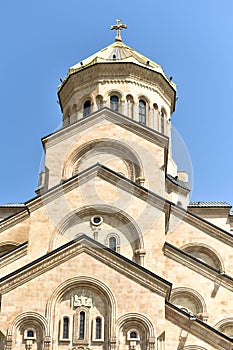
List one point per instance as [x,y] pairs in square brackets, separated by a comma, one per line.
[111,254]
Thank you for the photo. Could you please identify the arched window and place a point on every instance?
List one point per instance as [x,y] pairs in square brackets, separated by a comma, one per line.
[113,244]
[162,123]
[82,325]
[129,100]
[142,112]
[163,119]
[30,334]
[98,326]
[65,333]
[114,102]
[133,335]
[98,329]
[87,108]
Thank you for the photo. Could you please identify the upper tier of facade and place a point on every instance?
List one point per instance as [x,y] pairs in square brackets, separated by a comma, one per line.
[122,79]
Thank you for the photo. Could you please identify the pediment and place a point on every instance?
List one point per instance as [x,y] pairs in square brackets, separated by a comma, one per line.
[110,117]
[85,246]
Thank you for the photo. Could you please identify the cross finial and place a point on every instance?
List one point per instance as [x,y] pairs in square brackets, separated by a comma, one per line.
[119,26]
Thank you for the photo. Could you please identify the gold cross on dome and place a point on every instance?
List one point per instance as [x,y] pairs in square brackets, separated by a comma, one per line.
[119,26]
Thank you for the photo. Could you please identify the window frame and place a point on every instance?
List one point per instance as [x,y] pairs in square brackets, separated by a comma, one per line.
[94,325]
[76,325]
[87,109]
[133,330]
[142,111]
[30,329]
[114,105]
[61,338]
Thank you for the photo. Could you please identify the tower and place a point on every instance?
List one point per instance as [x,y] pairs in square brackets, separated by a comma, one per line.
[110,254]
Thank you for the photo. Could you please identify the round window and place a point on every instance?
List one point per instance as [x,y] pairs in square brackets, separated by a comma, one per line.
[96,220]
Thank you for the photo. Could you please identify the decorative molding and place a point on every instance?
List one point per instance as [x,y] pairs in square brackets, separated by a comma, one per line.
[14,219]
[198,266]
[197,328]
[115,118]
[206,226]
[106,72]
[13,255]
[74,248]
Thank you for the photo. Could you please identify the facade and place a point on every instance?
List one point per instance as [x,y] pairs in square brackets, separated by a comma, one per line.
[110,253]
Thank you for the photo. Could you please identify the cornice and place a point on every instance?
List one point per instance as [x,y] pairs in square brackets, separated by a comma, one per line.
[113,117]
[14,219]
[103,172]
[106,71]
[202,224]
[197,328]
[13,255]
[94,249]
[189,261]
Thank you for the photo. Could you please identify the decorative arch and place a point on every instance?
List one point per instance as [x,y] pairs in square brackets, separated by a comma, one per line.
[163,120]
[145,98]
[226,326]
[82,281]
[110,214]
[99,101]
[129,98]
[116,92]
[163,111]
[206,253]
[130,106]
[74,108]
[108,146]
[85,98]
[28,321]
[190,300]
[141,327]
[135,318]
[28,317]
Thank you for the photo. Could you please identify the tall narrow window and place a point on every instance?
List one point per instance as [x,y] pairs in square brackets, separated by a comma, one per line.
[112,243]
[87,108]
[114,101]
[65,331]
[98,326]
[82,325]
[162,122]
[142,112]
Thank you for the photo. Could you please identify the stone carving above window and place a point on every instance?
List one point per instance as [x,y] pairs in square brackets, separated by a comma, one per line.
[82,298]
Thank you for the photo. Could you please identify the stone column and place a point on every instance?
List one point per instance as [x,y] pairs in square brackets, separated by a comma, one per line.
[113,342]
[8,343]
[47,343]
[141,254]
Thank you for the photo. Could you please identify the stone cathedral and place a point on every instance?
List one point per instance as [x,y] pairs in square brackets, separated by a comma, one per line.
[110,254]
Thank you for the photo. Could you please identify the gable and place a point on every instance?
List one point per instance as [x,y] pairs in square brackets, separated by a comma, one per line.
[109,138]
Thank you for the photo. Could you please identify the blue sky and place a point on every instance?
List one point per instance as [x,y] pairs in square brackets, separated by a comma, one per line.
[192,40]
